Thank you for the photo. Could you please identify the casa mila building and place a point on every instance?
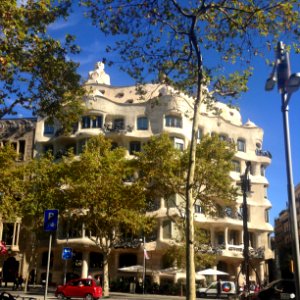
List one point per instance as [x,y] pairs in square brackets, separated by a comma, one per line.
[129,120]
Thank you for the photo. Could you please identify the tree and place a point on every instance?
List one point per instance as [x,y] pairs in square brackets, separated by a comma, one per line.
[10,184]
[169,39]
[114,208]
[163,170]
[44,182]
[35,72]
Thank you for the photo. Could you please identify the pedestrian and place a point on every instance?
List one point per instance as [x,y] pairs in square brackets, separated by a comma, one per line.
[16,282]
[219,288]
[20,282]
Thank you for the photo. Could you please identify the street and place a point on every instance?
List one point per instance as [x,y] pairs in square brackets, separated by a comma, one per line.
[122,296]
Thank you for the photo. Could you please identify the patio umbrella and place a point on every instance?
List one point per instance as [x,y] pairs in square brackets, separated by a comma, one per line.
[178,273]
[211,272]
[132,269]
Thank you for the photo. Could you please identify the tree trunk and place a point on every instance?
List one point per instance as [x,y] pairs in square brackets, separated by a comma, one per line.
[33,246]
[105,275]
[190,252]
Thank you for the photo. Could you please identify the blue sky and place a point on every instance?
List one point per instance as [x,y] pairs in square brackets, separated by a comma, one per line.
[261,107]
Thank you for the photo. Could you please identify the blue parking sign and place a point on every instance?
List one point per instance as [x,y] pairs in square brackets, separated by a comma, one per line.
[50,219]
[67,253]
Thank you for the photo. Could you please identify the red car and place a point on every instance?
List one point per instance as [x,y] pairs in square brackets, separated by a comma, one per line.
[84,288]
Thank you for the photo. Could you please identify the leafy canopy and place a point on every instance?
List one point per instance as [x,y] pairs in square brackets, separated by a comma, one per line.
[10,183]
[114,208]
[162,37]
[163,170]
[35,73]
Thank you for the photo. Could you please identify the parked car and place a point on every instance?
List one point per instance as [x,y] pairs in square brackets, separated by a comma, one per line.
[278,289]
[228,288]
[85,288]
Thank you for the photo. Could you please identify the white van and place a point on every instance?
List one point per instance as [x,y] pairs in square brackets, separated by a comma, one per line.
[228,289]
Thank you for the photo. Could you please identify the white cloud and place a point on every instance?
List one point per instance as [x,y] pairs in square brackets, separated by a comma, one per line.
[62,24]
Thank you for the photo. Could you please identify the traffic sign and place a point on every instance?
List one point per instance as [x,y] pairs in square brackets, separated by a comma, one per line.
[50,219]
[67,253]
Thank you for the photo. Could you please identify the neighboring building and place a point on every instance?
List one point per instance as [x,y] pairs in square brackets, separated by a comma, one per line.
[283,238]
[129,118]
[20,133]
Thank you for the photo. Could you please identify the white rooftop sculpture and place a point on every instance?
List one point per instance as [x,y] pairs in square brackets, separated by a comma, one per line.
[98,75]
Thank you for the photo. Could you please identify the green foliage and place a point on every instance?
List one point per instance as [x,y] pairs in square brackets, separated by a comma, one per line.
[114,208]
[167,36]
[212,183]
[10,184]
[44,182]
[159,166]
[35,73]
[163,170]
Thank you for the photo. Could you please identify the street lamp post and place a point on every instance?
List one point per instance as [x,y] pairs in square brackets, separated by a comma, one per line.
[287,84]
[245,183]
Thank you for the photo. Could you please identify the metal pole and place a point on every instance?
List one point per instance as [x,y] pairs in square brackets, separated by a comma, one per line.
[291,194]
[48,266]
[283,74]
[246,189]
[144,265]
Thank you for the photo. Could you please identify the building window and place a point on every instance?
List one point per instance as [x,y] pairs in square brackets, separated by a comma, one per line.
[199,135]
[266,191]
[77,259]
[114,145]
[252,239]
[267,216]
[197,209]
[127,259]
[48,128]
[97,122]
[48,148]
[96,260]
[173,121]
[252,169]
[134,147]
[45,259]
[220,238]
[223,137]
[241,145]
[142,123]
[22,144]
[236,166]
[167,229]
[86,122]
[178,143]
[8,233]
[263,170]
[234,237]
[91,122]
[118,124]
[241,212]
[171,201]
[80,145]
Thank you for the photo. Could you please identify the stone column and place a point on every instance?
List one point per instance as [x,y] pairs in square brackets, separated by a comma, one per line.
[261,272]
[226,237]
[85,264]
[212,236]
